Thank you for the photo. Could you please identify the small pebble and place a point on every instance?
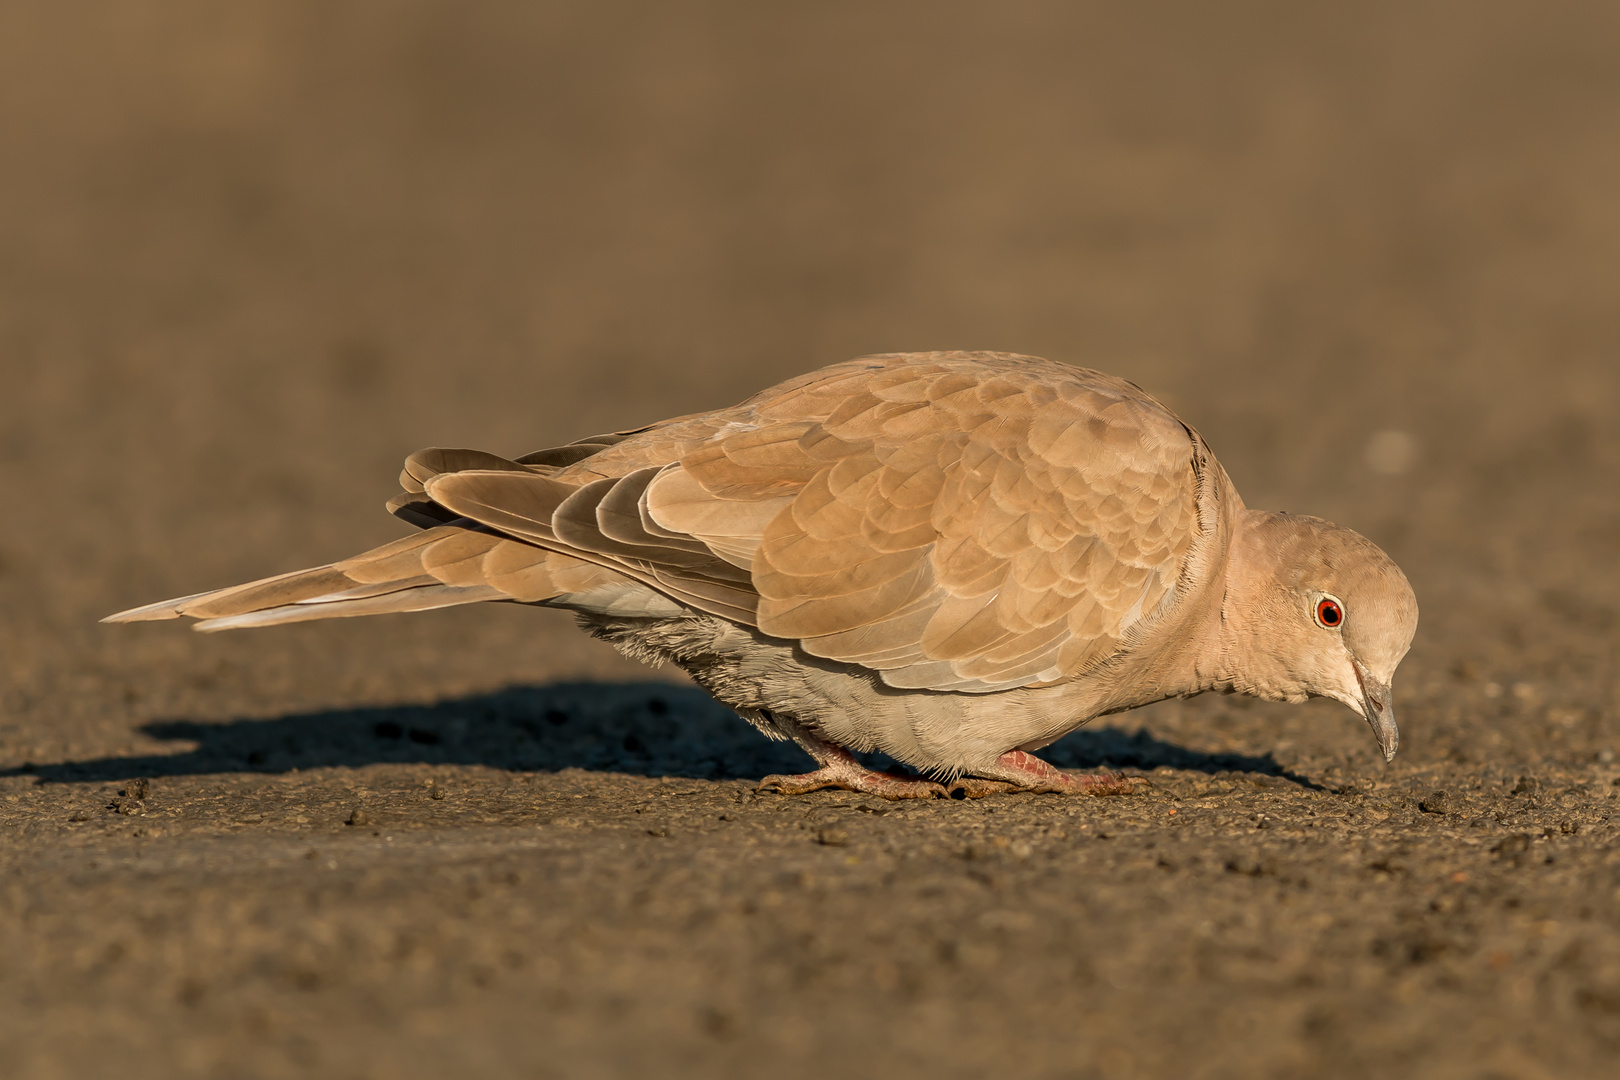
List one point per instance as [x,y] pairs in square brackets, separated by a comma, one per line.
[359,817]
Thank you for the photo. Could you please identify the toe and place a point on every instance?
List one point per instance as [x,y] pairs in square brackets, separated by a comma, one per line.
[801,784]
[1103,784]
[895,788]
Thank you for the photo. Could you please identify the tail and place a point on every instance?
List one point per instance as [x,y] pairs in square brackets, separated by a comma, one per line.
[441,567]
[456,560]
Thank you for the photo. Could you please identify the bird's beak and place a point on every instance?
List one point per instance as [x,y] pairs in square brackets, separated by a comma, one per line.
[1378,706]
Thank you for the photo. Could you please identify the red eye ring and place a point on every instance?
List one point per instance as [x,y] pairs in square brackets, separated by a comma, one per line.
[1329,613]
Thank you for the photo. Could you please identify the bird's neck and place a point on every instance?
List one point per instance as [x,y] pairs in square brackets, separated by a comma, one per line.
[1238,647]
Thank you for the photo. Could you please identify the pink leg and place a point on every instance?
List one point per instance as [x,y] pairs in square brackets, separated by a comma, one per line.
[1020,771]
[839,769]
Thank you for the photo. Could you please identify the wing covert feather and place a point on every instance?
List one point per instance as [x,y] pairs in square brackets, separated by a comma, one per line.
[954,521]
[1001,527]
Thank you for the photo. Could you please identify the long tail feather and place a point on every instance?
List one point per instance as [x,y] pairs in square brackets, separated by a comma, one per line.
[441,567]
[422,598]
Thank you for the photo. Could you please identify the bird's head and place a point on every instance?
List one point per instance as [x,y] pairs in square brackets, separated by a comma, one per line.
[1315,610]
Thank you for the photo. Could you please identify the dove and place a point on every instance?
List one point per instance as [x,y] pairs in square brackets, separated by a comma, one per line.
[952,558]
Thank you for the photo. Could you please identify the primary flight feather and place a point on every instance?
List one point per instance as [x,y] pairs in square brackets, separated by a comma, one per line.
[954,558]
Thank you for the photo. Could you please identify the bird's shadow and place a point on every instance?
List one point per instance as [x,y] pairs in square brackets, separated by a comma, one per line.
[643,728]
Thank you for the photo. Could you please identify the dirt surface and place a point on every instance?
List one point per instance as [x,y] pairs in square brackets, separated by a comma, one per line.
[253,254]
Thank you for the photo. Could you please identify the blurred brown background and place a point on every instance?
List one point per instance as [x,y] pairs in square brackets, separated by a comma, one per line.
[252,254]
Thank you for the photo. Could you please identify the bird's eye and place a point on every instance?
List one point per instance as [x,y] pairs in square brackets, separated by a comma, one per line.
[1329,612]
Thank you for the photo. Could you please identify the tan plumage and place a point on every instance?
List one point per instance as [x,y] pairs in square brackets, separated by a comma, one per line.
[951,557]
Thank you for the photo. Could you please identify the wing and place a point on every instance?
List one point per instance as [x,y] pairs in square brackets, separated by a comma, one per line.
[966,522]
[968,526]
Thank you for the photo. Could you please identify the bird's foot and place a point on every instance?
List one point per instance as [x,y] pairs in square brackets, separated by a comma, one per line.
[841,770]
[1019,771]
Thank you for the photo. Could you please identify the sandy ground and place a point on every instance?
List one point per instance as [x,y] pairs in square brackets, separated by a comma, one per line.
[253,254]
